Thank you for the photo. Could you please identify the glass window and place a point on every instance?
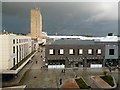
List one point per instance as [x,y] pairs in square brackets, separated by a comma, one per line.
[17,40]
[71,51]
[99,51]
[61,52]
[13,61]
[13,41]
[13,49]
[111,51]
[80,51]
[51,51]
[90,51]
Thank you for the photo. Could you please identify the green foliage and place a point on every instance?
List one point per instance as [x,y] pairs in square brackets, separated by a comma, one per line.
[105,73]
[81,84]
[108,79]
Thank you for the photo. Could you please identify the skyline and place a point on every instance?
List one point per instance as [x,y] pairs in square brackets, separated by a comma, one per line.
[91,18]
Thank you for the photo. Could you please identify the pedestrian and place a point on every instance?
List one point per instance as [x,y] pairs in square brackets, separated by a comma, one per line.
[60,81]
[75,76]
[110,69]
[117,67]
[64,71]
[36,62]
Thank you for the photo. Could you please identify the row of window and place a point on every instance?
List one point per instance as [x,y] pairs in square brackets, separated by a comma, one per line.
[80,51]
[25,46]
[72,51]
[19,40]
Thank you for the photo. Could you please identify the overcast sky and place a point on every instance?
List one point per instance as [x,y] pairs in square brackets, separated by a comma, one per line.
[81,18]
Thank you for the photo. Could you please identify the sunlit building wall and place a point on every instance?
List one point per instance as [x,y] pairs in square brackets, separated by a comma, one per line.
[13,49]
[36,24]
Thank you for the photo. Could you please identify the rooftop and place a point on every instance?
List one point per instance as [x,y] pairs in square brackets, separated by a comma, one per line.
[73,42]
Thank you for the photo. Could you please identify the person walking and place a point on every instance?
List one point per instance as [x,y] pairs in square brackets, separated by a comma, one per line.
[60,81]
[75,76]
[36,62]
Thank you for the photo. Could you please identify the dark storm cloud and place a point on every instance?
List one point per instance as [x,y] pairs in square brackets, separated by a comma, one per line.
[63,18]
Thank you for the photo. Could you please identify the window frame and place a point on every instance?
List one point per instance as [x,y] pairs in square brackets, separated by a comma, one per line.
[52,50]
[14,49]
[98,51]
[14,62]
[59,52]
[90,51]
[71,50]
[113,53]
[80,51]
[13,41]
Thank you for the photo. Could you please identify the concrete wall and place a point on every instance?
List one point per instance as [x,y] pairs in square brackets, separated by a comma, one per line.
[4,51]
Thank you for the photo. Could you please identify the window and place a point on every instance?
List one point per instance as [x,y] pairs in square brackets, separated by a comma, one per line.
[99,51]
[80,51]
[90,51]
[71,51]
[17,40]
[13,61]
[13,41]
[13,49]
[61,52]
[51,51]
[111,51]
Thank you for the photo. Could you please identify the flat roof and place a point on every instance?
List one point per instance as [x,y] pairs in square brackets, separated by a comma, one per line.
[73,42]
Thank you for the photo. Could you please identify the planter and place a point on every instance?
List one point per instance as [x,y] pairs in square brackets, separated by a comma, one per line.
[100,82]
[81,83]
[113,79]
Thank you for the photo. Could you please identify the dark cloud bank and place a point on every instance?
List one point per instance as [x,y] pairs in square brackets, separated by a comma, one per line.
[95,19]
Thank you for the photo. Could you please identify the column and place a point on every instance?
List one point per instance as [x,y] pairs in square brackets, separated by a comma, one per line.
[85,63]
[103,63]
[66,62]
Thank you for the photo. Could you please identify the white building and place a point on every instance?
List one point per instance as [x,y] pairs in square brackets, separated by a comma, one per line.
[13,49]
[44,37]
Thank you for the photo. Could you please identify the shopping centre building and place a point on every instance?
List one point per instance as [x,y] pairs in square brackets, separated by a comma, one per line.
[82,53]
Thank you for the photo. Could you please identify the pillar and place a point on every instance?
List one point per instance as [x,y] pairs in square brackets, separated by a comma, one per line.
[85,63]
[103,62]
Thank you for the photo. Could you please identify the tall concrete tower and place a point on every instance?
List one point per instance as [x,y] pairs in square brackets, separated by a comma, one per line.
[36,24]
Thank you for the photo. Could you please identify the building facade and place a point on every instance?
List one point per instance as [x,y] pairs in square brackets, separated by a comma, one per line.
[14,49]
[36,24]
[74,53]
[111,53]
[111,49]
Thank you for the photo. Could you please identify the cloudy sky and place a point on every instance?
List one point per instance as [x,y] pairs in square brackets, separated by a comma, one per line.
[81,18]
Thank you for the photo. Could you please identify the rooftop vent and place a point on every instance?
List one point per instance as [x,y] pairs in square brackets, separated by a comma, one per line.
[110,34]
